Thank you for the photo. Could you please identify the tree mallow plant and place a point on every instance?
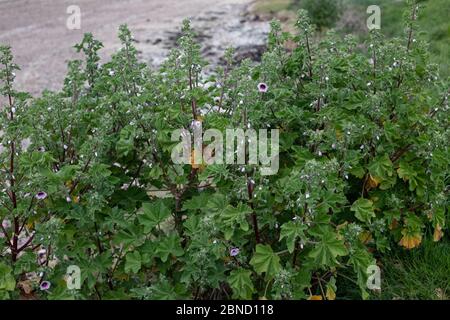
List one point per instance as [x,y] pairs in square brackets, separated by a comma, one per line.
[363,168]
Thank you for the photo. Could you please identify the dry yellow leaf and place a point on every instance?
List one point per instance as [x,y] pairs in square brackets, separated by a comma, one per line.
[365,236]
[315,298]
[410,241]
[331,295]
[438,233]
[372,182]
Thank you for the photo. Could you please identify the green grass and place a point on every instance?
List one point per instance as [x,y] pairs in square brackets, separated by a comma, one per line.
[272,6]
[434,22]
[423,273]
[434,25]
[419,274]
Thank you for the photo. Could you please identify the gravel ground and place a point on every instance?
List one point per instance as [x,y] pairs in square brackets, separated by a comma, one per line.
[42,44]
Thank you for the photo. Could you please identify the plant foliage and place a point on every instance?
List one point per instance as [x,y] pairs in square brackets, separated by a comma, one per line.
[87,177]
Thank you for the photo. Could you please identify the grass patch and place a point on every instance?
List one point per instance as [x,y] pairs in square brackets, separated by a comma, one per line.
[434,25]
[272,6]
[419,274]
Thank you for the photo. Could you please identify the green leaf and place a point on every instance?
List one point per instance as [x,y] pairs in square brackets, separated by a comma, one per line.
[163,290]
[235,216]
[328,249]
[217,202]
[358,171]
[7,281]
[292,231]
[405,171]
[414,175]
[170,245]
[125,144]
[360,259]
[438,217]
[155,172]
[127,236]
[153,214]
[192,224]
[381,168]
[363,209]
[4,295]
[265,261]
[133,262]
[302,281]
[241,283]
[197,203]
[332,200]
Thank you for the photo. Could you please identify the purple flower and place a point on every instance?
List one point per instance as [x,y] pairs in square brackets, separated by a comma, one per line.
[41,195]
[45,285]
[41,253]
[234,252]
[263,87]
[42,256]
